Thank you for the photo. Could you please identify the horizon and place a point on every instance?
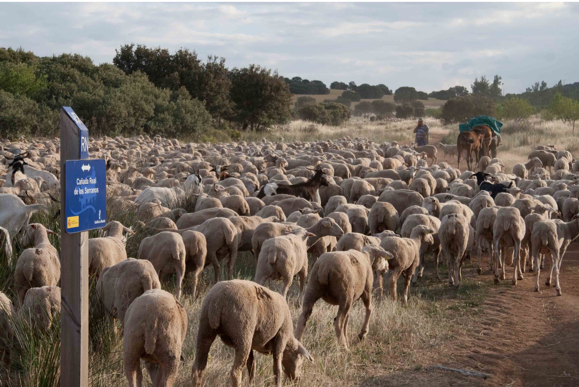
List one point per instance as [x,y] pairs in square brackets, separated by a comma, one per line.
[429,46]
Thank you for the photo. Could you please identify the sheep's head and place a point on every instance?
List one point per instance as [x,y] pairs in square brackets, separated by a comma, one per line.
[329,227]
[379,258]
[293,357]
[30,232]
[424,233]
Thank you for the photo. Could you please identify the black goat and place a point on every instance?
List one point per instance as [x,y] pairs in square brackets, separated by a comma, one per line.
[306,190]
[221,172]
[484,185]
[18,164]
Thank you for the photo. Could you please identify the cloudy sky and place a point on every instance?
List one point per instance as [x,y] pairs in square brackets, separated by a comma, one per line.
[430,46]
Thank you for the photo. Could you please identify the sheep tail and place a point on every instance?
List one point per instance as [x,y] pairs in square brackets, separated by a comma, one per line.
[151,335]
[214,313]
[507,225]
[7,244]
[487,222]
[147,283]
[545,239]
[28,269]
[324,275]
[229,234]
[175,253]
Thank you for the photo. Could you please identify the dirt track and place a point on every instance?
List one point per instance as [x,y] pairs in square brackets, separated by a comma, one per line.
[522,338]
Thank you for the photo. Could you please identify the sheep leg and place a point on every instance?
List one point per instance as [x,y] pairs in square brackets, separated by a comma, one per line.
[205,338]
[392,279]
[339,322]
[250,367]
[232,258]
[367,300]
[517,274]
[548,282]
[179,278]
[479,269]
[310,300]
[133,370]
[497,253]
[504,263]
[287,283]
[407,279]
[196,275]
[379,285]
[536,258]
[277,356]
[557,264]
[302,276]
[167,372]
[242,351]
[436,260]
[212,257]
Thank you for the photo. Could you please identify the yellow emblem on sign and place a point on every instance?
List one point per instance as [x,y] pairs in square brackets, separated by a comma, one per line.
[72,222]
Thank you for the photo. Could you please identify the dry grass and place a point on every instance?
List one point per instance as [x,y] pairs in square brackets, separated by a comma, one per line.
[334,94]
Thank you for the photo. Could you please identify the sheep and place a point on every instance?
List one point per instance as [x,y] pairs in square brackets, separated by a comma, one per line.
[293,204]
[406,252]
[285,256]
[341,278]
[119,285]
[272,210]
[14,214]
[484,233]
[504,199]
[196,254]
[401,199]
[108,251]
[255,205]
[148,211]
[197,218]
[432,205]
[430,151]
[248,317]
[205,202]
[333,203]
[41,305]
[432,223]
[522,170]
[357,215]
[367,200]
[570,209]
[526,247]
[455,207]
[481,201]
[236,203]
[37,266]
[154,331]
[508,231]
[6,245]
[454,234]
[7,315]
[305,190]
[553,237]
[547,158]
[447,149]
[382,216]
[411,211]
[356,241]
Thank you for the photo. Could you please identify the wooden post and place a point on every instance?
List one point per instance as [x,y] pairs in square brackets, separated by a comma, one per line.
[74,275]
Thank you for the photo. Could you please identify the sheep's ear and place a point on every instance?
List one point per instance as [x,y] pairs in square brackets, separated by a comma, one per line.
[33,226]
[310,234]
[326,223]
[389,255]
[304,352]
[50,231]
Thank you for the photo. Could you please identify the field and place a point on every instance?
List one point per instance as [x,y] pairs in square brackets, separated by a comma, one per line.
[334,94]
[518,337]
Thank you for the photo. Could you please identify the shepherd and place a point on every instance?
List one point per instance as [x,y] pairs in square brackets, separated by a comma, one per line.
[421,132]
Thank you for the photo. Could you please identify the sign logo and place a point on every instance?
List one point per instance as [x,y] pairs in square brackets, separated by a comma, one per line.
[72,222]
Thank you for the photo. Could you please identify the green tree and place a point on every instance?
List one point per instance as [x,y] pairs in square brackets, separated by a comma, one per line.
[351,95]
[565,109]
[20,78]
[453,92]
[304,101]
[464,108]
[382,108]
[405,94]
[370,92]
[422,95]
[315,113]
[260,97]
[496,90]
[418,108]
[481,87]
[514,108]
[340,100]
[338,113]
[385,89]
[352,86]
[404,111]
[338,86]
[363,108]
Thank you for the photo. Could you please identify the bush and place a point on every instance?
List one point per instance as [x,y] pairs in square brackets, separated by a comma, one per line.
[363,108]
[463,109]
[565,109]
[404,111]
[514,109]
[351,95]
[21,116]
[343,101]
[382,108]
[422,95]
[304,86]
[338,85]
[303,101]
[418,108]
[326,114]
[434,113]
[405,94]
[370,92]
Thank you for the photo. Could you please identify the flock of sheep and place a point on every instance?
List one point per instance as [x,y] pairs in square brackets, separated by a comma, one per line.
[363,212]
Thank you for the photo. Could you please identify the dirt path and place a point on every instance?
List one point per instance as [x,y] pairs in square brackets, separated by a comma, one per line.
[521,338]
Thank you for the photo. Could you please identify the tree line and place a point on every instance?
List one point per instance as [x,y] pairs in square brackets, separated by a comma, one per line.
[145,90]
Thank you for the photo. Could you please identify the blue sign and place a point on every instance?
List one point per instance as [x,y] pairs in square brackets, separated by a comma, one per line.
[86,195]
[83,131]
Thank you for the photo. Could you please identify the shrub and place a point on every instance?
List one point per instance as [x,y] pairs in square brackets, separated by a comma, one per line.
[326,114]
[405,94]
[370,92]
[343,101]
[338,85]
[351,95]
[382,108]
[422,95]
[418,108]
[565,109]
[463,109]
[363,108]
[404,111]
[434,113]
[338,113]
[515,109]
[303,101]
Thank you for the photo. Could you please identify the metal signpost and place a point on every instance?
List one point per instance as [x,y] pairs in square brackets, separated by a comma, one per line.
[83,201]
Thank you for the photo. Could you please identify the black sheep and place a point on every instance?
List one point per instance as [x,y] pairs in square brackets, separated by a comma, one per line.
[484,185]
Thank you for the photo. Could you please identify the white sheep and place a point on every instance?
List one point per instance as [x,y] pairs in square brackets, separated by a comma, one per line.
[508,232]
[454,234]
[107,251]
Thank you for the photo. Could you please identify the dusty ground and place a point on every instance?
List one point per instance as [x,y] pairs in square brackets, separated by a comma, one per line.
[522,338]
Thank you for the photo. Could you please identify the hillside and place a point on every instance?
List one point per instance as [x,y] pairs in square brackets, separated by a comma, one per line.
[334,94]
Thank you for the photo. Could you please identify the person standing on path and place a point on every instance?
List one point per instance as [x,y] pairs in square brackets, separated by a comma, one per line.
[421,132]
